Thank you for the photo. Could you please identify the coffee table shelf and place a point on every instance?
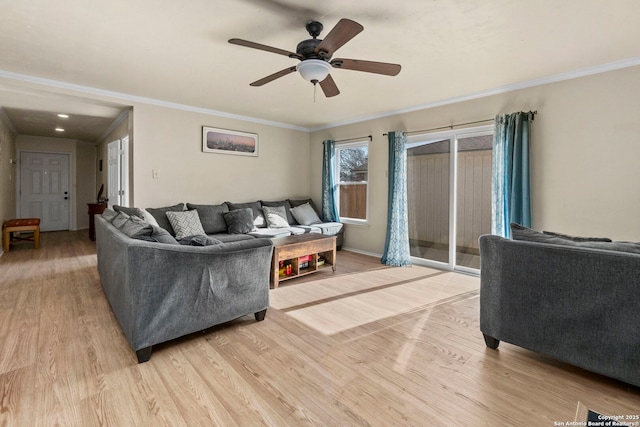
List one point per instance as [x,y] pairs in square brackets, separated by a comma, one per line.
[291,249]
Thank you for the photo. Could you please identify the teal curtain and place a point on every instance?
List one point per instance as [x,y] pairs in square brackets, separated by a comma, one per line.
[396,247]
[329,204]
[511,192]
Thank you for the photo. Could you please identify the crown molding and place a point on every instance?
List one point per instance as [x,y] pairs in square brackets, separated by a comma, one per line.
[124,115]
[611,66]
[128,98]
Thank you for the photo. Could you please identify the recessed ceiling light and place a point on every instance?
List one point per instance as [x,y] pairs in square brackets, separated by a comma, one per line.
[63,116]
[59,130]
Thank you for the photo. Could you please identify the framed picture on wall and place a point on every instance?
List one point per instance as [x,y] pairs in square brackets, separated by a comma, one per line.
[224,141]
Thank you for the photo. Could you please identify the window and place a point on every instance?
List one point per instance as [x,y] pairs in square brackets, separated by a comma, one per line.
[352,180]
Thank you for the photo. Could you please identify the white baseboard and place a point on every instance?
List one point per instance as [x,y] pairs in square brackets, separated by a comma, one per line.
[346,248]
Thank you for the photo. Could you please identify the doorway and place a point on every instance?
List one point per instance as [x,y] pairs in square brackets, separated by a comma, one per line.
[44,189]
[118,172]
[449,197]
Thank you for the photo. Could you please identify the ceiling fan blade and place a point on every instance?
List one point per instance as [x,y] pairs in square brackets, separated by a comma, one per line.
[264,47]
[367,66]
[273,76]
[344,31]
[329,87]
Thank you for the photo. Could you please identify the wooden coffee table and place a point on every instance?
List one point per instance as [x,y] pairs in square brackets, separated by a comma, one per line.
[291,249]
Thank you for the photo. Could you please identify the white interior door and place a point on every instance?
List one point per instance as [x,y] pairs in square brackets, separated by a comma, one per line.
[44,189]
[124,171]
[113,172]
[118,172]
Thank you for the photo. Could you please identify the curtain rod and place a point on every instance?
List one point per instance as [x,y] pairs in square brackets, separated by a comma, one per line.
[356,139]
[531,113]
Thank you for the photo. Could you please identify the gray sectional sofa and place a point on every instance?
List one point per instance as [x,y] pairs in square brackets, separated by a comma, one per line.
[219,222]
[574,299]
[171,271]
[161,291]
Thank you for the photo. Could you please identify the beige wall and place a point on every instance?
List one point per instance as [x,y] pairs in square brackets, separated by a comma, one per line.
[584,154]
[7,173]
[85,182]
[585,151]
[170,141]
[82,163]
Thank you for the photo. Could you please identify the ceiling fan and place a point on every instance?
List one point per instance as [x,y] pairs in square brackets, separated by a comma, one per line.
[315,56]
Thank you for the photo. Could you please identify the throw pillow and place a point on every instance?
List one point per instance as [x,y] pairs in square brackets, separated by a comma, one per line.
[287,206]
[305,215]
[239,221]
[577,238]
[256,209]
[295,203]
[520,232]
[109,214]
[119,220]
[161,235]
[211,217]
[276,216]
[160,214]
[185,223]
[129,211]
[135,227]
[149,218]
[199,240]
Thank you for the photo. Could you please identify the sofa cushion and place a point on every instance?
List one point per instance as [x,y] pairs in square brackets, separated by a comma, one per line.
[519,232]
[276,216]
[304,229]
[271,233]
[211,217]
[256,208]
[285,204]
[185,223]
[129,211]
[329,228]
[305,215]
[239,221]
[577,238]
[160,214]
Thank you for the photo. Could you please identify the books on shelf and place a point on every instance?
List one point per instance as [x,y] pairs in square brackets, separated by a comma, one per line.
[303,261]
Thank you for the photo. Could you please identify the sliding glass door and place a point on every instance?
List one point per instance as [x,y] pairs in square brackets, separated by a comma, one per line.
[428,196]
[449,196]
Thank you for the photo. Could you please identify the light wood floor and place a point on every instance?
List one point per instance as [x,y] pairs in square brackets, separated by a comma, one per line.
[367,345]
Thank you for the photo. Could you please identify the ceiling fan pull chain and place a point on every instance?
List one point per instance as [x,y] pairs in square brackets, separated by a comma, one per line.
[315,88]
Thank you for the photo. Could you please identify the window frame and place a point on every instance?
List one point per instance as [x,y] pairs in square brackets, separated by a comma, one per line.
[345,146]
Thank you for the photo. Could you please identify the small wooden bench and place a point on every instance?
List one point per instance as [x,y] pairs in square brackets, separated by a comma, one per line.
[20,225]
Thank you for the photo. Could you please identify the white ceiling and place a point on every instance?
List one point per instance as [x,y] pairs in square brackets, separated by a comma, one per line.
[177,52]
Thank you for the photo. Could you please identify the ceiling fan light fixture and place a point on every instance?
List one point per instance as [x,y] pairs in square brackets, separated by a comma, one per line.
[314,70]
